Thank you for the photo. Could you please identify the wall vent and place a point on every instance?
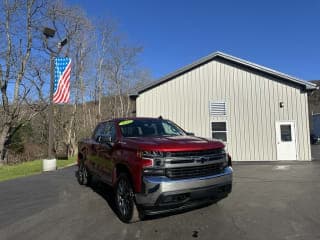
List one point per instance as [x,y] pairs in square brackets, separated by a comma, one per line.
[218,108]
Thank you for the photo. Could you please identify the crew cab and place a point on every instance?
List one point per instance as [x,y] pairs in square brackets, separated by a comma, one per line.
[154,166]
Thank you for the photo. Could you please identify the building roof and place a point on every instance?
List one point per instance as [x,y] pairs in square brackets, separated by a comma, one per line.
[305,84]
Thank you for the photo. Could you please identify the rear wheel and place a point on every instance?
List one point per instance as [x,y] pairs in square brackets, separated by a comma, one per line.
[84,177]
[124,198]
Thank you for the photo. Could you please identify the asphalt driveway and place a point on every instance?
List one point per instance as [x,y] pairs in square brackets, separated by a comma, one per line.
[268,202]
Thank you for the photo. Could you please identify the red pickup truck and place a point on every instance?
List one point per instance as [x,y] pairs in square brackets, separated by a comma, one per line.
[154,166]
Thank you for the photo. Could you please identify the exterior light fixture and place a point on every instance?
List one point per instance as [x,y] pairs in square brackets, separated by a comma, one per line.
[281,104]
[49,32]
[62,43]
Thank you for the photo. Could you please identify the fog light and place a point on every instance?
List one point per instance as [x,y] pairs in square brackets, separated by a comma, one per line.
[153,172]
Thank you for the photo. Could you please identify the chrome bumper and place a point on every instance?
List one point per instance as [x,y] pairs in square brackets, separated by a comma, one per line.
[155,187]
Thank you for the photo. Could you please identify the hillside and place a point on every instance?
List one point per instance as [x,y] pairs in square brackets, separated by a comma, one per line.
[314,99]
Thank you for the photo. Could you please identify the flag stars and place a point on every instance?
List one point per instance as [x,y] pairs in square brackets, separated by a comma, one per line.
[60,66]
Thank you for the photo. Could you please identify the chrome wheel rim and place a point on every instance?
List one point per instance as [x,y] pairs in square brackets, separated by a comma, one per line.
[124,197]
[82,173]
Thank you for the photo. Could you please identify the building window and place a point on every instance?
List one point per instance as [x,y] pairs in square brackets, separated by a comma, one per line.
[219,130]
[285,131]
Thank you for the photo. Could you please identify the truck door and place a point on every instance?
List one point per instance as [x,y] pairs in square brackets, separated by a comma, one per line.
[104,150]
[92,155]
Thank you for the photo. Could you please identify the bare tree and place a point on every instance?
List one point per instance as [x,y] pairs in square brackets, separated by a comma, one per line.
[104,69]
[18,25]
[120,68]
[106,31]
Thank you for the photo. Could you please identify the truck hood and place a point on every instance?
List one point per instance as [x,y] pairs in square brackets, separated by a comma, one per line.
[175,143]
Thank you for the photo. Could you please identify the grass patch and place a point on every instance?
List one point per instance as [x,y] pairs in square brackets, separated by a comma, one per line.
[28,168]
[64,163]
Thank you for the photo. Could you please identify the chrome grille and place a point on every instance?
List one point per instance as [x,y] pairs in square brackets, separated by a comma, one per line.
[196,153]
[195,159]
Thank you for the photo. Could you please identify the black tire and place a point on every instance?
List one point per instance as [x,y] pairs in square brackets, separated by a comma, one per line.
[84,177]
[125,201]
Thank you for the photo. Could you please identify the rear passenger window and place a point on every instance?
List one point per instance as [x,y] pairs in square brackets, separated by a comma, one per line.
[105,130]
[98,131]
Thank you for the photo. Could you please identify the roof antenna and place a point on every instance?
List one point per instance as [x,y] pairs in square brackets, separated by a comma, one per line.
[160,117]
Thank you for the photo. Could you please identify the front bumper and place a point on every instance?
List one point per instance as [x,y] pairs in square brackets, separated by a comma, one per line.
[162,192]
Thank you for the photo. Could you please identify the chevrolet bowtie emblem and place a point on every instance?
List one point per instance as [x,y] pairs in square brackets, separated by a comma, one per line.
[202,160]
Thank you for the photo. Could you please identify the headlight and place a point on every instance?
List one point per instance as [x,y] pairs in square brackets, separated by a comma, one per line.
[152,163]
[151,158]
[151,154]
[222,151]
[225,157]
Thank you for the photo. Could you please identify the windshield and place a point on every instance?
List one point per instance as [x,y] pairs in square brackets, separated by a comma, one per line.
[149,128]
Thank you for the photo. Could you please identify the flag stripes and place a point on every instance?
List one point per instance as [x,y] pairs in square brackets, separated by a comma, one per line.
[62,80]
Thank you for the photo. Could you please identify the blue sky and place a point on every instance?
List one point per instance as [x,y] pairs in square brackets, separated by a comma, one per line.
[283,35]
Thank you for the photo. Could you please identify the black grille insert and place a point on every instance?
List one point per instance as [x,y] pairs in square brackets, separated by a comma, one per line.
[195,171]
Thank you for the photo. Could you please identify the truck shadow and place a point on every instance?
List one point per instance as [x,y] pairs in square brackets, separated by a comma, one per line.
[177,212]
[106,192]
[102,189]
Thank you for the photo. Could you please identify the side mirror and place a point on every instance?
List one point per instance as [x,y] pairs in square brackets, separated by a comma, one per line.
[104,139]
[190,133]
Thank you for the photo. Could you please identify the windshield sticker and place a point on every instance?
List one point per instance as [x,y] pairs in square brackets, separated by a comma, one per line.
[125,122]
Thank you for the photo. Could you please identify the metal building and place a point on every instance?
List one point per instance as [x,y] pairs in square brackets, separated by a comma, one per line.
[259,113]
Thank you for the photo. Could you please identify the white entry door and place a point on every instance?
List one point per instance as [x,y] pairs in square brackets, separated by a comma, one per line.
[286,141]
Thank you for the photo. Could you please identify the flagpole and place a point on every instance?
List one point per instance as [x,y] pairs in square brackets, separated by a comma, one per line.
[50,163]
[51,133]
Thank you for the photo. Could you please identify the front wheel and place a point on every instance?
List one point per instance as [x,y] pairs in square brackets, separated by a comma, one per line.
[124,198]
[84,177]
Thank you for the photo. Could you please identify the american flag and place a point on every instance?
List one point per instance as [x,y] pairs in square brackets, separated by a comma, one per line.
[61,92]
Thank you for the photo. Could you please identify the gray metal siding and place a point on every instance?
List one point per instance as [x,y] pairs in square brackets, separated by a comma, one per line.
[252,108]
